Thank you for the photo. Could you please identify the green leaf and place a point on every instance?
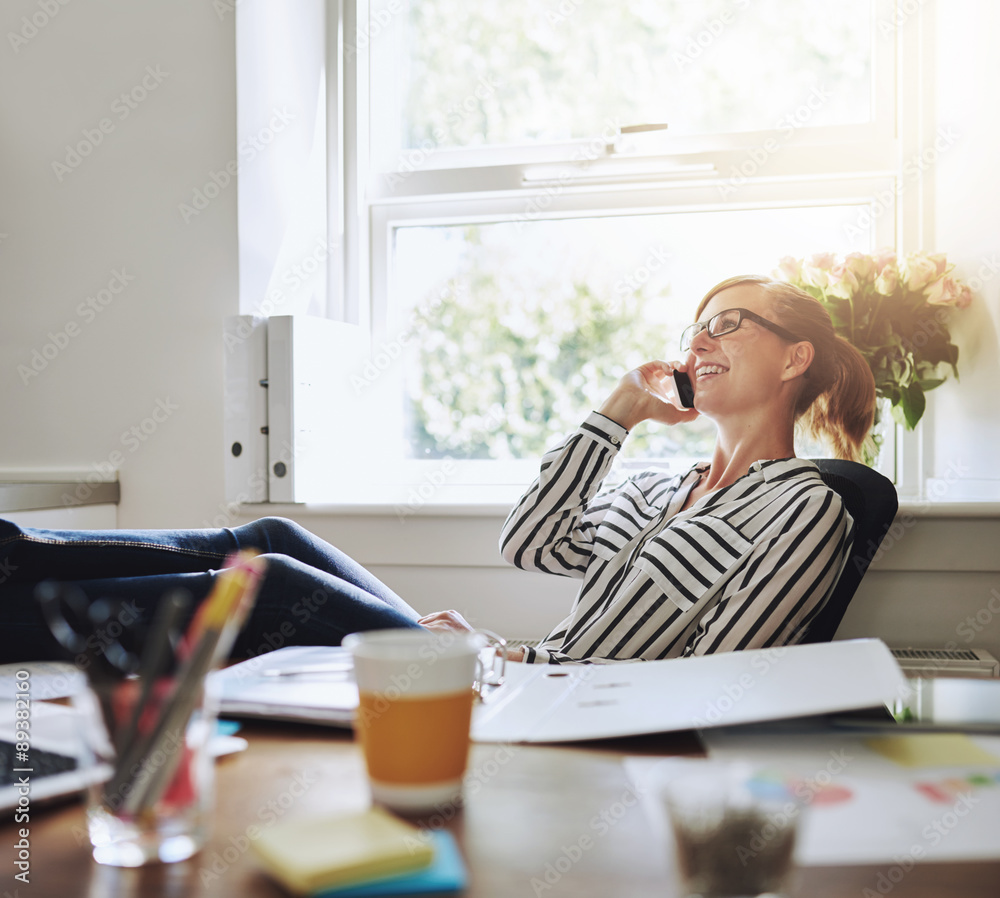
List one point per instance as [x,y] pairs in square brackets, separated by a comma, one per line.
[912,402]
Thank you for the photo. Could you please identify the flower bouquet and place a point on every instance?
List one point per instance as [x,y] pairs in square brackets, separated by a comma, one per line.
[895,311]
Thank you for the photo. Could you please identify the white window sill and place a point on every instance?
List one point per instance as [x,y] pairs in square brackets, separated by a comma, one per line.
[497,501]
[448,500]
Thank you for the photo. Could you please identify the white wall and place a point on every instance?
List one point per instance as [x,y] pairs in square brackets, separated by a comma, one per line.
[155,348]
[967,227]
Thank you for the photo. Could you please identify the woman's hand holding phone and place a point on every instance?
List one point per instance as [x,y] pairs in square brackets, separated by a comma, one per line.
[648,393]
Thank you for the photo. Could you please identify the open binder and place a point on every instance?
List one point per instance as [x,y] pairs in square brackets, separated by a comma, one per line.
[566,703]
[575,702]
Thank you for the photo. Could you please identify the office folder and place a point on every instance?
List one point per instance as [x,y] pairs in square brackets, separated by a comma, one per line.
[567,703]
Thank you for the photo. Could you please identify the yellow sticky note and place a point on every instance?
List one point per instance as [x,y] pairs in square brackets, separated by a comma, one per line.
[310,855]
[932,750]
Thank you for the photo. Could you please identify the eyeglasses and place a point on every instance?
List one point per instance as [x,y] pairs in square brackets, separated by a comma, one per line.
[728,321]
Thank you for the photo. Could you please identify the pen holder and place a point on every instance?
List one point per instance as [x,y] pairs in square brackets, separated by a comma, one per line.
[157,803]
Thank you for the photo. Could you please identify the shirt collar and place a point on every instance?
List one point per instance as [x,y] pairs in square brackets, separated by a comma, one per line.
[783,468]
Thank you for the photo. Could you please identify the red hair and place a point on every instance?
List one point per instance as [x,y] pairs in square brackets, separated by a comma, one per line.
[836,402]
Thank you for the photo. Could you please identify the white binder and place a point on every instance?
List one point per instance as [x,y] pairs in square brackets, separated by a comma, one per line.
[568,703]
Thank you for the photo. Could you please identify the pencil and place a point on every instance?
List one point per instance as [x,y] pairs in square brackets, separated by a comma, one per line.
[208,641]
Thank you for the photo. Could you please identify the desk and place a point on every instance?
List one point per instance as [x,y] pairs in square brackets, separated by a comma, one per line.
[527,811]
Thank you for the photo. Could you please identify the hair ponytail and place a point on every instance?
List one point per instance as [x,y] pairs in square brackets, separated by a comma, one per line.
[836,403]
[842,415]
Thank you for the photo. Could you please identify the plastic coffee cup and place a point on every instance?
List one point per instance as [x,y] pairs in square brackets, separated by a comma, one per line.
[416,690]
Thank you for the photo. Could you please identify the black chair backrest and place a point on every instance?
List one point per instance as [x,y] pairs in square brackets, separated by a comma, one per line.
[871,500]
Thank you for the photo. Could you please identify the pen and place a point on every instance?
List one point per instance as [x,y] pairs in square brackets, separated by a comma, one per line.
[332,667]
[209,638]
[156,658]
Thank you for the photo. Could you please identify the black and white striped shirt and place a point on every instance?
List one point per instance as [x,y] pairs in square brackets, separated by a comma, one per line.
[747,566]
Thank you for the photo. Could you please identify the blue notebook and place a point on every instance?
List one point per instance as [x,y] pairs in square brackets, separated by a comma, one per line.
[446,873]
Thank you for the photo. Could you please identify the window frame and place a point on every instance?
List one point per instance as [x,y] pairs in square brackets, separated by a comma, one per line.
[865,159]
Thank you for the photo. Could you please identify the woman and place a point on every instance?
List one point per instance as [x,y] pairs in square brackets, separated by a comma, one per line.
[717,559]
[739,552]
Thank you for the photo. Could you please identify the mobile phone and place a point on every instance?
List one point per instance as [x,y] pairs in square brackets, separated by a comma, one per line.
[685,391]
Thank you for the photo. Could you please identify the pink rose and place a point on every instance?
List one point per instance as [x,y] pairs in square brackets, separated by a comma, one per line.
[941,261]
[790,268]
[887,280]
[815,277]
[920,269]
[884,258]
[825,261]
[862,266]
[948,291]
[843,282]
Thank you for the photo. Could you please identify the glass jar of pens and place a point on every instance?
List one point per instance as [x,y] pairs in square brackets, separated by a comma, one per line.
[148,716]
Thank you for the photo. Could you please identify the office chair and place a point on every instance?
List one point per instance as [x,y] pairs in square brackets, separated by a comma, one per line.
[870,498]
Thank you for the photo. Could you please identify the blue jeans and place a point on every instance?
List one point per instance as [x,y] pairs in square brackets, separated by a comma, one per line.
[311,594]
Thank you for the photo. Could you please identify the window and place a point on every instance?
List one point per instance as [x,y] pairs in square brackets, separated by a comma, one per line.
[517,228]
[535,232]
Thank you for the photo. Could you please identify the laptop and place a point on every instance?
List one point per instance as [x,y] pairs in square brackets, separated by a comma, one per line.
[56,764]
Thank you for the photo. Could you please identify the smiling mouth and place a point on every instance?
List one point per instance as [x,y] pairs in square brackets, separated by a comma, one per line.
[709,371]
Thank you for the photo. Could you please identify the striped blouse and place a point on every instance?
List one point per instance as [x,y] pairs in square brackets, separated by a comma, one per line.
[747,566]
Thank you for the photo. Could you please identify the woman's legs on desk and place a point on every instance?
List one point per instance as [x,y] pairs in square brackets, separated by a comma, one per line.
[311,594]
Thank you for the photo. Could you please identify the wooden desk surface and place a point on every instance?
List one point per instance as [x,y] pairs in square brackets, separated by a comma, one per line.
[528,812]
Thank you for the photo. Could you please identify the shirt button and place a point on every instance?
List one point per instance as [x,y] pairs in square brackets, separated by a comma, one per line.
[615,441]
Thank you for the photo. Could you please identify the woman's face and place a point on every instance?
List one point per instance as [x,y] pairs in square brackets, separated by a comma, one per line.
[741,370]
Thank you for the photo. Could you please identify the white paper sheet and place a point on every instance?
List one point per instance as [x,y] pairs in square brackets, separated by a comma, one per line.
[860,807]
